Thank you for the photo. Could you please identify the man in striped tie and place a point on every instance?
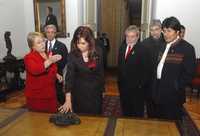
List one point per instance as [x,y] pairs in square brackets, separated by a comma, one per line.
[53,46]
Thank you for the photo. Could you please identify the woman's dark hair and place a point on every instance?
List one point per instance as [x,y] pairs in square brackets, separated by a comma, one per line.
[87,34]
[172,23]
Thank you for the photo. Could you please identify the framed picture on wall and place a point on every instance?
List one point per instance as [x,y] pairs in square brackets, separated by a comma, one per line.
[50,12]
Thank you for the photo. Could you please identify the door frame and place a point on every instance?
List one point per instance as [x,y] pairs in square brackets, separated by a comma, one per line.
[146,18]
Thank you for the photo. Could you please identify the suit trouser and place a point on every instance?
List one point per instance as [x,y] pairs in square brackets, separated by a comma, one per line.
[166,110]
[151,108]
[169,111]
[150,105]
[132,101]
[60,93]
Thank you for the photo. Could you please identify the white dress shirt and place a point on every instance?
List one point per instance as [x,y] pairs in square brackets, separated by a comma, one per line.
[52,43]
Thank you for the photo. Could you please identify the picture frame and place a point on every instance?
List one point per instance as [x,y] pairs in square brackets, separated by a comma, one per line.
[50,12]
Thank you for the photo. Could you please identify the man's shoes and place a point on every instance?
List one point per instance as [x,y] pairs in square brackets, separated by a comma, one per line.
[63,119]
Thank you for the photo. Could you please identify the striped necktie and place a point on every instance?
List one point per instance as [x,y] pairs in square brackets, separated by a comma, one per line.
[50,46]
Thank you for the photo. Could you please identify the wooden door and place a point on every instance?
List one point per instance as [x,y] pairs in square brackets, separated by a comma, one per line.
[115,16]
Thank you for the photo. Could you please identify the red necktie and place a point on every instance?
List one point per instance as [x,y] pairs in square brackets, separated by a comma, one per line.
[128,52]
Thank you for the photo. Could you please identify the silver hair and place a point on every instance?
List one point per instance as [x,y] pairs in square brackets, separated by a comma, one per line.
[156,22]
[132,28]
[50,26]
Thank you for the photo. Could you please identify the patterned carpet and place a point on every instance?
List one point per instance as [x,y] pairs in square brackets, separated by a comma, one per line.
[111,106]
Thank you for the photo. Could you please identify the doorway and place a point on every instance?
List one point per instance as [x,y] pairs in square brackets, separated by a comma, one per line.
[114,16]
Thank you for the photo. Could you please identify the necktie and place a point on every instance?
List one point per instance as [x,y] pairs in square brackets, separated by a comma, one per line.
[50,46]
[128,52]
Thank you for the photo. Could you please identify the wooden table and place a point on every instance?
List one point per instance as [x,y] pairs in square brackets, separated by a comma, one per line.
[139,127]
[37,124]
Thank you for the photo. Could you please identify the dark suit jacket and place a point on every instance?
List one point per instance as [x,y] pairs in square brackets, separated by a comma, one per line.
[131,72]
[151,50]
[61,49]
[177,73]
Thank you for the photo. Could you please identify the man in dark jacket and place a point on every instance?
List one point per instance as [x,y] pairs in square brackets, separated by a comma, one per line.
[105,45]
[175,69]
[56,47]
[152,46]
[131,74]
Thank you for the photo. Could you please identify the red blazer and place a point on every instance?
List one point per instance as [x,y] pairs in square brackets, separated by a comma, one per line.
[40,82]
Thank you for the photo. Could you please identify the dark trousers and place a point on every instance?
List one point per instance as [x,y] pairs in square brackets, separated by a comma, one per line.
[150,105]
[132,102]
[151,108]
[169,111]
[60,93]
[165,110]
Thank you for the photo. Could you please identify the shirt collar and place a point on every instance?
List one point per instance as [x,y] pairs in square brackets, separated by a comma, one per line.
[52,42]
[174,41]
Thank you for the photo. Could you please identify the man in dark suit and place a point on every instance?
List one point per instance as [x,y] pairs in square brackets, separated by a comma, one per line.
[131,74]
[105,48]
[182,32]
[175,70]
[53,46]
[51,18]
[152,46]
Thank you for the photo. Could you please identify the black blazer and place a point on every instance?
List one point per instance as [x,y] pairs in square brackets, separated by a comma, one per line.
[61,49]
[151,50]
[131,72]
[177,73]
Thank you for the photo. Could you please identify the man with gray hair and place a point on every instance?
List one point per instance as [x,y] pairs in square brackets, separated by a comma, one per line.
[53,46]
[152,45]
[131,74]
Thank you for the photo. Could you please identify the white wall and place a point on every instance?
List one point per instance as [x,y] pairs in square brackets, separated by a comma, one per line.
[12,19]
[17,16]
[187,12]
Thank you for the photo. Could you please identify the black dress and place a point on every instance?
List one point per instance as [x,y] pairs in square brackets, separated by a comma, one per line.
[85,81]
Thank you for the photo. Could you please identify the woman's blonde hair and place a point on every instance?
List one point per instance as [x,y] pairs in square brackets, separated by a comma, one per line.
[31,37]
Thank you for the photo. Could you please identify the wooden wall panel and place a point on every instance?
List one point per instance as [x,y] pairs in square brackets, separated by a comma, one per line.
[113,22]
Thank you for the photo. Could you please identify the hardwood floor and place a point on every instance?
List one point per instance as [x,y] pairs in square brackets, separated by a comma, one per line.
[16,100]
[192,105]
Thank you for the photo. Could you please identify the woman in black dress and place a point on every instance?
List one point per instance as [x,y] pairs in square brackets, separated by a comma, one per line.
[84,80]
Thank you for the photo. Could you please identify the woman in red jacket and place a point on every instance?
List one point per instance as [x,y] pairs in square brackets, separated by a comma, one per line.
[41,73]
